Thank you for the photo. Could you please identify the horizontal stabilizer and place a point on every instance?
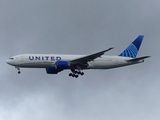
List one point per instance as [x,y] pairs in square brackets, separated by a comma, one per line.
[137,59]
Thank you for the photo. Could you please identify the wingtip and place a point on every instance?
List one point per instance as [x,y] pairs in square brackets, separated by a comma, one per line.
[148,56]
[111,48]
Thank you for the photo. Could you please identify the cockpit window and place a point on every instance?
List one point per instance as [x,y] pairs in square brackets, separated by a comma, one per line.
[11,58]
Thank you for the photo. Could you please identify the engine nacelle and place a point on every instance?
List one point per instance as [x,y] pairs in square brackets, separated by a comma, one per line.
[60,65]
[52,71]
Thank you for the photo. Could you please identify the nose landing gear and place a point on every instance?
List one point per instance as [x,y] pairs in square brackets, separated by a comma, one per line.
[19,72]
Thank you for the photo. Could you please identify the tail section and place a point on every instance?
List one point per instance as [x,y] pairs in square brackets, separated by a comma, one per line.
[133,48]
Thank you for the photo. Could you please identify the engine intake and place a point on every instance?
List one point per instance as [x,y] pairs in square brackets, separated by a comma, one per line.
[52,71]
[60,65]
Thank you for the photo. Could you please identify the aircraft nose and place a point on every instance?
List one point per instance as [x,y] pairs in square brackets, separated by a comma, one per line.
[8,61]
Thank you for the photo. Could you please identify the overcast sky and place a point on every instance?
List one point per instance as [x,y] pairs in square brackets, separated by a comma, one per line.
[79,27]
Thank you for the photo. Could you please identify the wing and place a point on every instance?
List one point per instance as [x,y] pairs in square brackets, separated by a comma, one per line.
[88,58]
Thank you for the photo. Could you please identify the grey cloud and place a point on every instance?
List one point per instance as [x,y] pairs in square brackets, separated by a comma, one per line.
[79,27]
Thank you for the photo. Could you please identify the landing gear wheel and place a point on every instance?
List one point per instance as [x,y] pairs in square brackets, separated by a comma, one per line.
[78,73]
[18,70]
[70,74]
[73,75]
[82,73]
[76,76]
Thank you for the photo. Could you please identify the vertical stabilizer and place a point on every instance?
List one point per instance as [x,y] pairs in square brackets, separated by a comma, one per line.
[133,48]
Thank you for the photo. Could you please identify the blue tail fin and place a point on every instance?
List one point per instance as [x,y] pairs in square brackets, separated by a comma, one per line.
[133,48]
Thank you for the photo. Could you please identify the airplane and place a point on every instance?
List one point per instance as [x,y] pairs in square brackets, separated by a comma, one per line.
[55,63]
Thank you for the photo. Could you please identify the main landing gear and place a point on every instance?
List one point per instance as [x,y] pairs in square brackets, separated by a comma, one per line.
[76,73]
[19,72]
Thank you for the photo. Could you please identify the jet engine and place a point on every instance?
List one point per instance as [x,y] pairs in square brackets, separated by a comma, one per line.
[60,65]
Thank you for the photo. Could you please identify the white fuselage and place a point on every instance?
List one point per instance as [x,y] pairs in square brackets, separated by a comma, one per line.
[49,61]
